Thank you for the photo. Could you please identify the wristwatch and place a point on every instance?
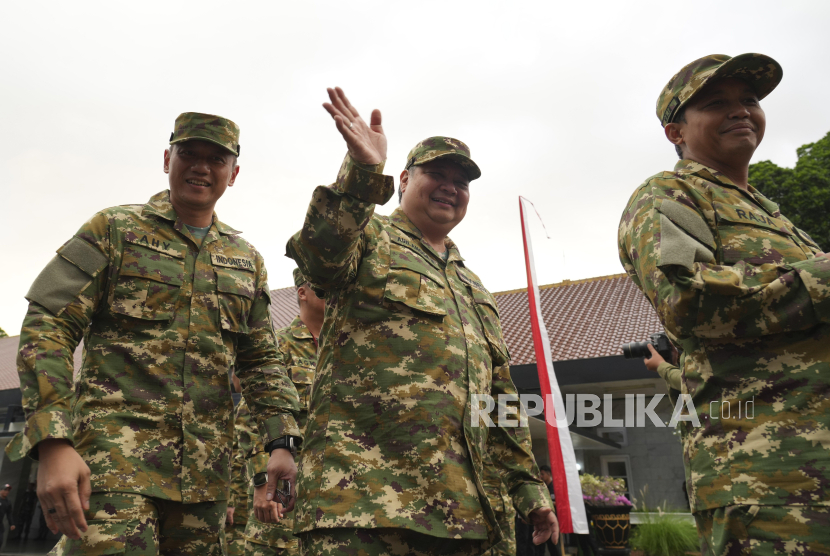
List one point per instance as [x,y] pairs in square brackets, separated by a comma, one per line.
[260,479]
[288,442]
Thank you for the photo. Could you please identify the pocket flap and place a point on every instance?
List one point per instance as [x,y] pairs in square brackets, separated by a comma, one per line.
[237,282]
[142,262]
[415,290]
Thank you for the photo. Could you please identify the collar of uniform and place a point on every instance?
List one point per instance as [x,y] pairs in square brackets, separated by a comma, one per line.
[160,205]
[687,166]
[400,220]
[299,329]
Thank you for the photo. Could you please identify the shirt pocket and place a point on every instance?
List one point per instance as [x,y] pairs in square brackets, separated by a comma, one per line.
[235,293]
[303,378]
[488,314]
[415,284]
[149,280]
[749,234]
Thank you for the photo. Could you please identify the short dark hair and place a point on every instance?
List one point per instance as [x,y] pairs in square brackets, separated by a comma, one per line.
[545,468]
[680,117]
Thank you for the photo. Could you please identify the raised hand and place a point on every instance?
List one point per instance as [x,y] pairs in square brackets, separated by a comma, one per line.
[366,143]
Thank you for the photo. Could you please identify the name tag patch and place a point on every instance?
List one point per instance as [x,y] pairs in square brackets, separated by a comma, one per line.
[231,262]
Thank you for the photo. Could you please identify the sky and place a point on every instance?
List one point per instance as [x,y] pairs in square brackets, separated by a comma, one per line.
[555,99]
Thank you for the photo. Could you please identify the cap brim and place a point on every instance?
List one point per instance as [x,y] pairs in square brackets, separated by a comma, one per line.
[761,71]
[183,139]
[473,171]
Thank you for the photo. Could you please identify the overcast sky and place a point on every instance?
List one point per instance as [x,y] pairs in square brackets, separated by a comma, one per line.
[555,99]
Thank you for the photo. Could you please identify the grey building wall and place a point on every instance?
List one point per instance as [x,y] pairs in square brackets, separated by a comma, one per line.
[656,456]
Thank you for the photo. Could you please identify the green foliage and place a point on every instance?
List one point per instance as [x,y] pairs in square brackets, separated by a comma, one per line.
[660,533]
[664,535]
[603,491]
[3,333]
[803,192]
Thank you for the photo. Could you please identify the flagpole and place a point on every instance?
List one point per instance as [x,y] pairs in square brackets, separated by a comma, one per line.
[570,507]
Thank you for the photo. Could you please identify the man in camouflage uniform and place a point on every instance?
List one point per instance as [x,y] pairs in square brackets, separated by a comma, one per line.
[167,299]
[392,461]
[297,348]
[745,293]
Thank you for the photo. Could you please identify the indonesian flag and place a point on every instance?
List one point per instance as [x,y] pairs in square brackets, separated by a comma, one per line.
[570,508]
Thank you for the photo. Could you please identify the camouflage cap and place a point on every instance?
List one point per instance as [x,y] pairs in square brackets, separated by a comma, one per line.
[762,72]
[440,147]
[206,127]
[299,279]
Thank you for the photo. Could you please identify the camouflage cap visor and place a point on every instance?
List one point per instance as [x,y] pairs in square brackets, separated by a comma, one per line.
[465,162]
[760,71]
[206,127]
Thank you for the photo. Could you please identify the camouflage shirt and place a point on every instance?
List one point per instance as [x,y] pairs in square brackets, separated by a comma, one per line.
[408,337]
[162,321]
[740,289]
[298,353]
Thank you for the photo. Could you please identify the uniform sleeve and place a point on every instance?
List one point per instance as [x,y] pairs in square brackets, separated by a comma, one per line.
[62,300]
[670,374]
[266,386]
[509,448]
[668,249]
[251,447]
[329,247]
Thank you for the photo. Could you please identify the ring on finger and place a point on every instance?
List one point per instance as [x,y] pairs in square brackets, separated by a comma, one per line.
[351,125]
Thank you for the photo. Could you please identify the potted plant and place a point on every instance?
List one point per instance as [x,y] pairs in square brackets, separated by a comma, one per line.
[608,510]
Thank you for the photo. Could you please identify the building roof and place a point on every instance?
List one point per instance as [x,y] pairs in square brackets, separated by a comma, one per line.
[584,318]
[8,363]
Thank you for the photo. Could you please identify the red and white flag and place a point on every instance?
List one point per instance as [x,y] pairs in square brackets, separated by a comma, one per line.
[570,507]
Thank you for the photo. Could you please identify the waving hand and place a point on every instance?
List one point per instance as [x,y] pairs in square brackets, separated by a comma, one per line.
[366,143]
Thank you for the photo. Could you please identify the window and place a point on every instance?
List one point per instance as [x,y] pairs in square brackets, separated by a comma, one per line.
[618,467]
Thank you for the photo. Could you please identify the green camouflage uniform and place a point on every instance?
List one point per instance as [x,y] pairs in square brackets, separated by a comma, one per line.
[235,532]
[738,286]
[298,354]
[407,339]
[163,320]
[670,374]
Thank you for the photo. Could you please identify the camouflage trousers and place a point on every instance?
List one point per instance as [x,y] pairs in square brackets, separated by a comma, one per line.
[278,536]
[384,542]
[764,530]
[235,539]
[132,524]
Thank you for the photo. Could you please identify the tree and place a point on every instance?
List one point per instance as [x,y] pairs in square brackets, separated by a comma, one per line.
[803,192]
[3,333]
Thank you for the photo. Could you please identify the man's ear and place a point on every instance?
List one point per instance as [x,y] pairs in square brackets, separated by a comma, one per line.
[674,133]
[302,294]
[233,176]
[167,160]
[404,180]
